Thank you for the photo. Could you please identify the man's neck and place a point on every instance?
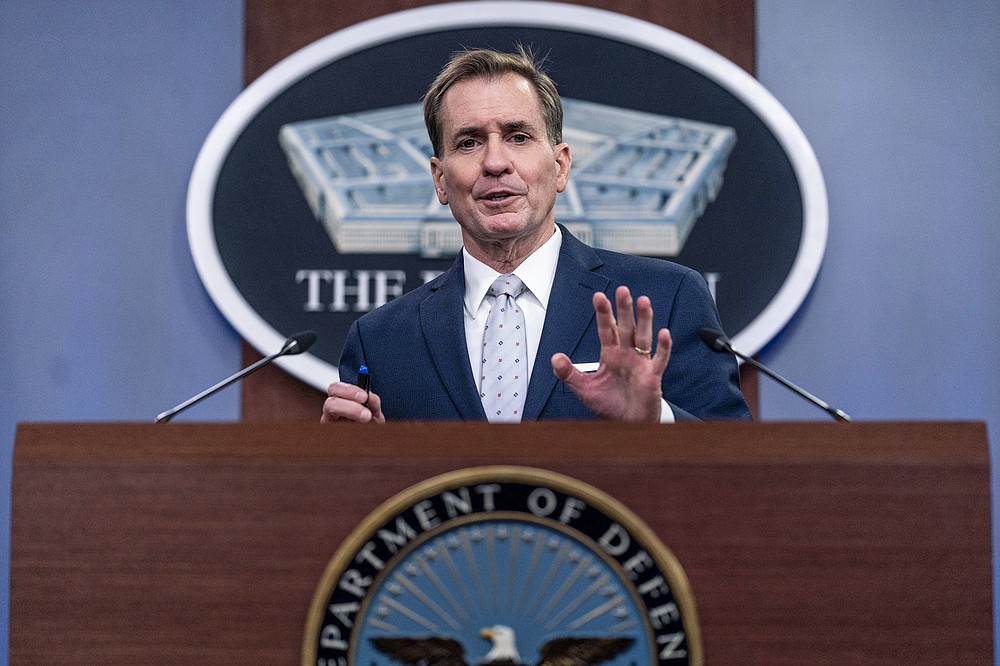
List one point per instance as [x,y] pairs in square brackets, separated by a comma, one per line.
[504,257]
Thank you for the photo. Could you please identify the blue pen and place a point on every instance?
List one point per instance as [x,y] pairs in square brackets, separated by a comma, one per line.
[365,381]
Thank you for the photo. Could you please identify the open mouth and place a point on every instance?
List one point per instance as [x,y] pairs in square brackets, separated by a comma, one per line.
[499,196]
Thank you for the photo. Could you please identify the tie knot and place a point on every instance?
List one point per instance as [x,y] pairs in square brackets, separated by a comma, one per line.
[507,284]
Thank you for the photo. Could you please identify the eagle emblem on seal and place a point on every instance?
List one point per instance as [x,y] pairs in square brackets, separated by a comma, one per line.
[440,651]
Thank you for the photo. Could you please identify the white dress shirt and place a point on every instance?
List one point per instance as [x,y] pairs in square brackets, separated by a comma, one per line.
[537,272]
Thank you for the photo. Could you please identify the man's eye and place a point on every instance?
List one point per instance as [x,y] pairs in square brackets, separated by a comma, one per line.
[467,143]
[519,138]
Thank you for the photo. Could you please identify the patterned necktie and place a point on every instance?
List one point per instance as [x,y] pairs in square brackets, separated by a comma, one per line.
[505,354]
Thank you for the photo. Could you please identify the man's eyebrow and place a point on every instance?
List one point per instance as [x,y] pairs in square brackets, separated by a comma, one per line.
[475,130]
[516,125]
[470,130]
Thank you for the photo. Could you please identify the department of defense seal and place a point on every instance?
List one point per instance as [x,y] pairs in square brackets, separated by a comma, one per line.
[502,565]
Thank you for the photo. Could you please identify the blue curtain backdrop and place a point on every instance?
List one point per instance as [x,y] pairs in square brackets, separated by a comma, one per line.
[105,104]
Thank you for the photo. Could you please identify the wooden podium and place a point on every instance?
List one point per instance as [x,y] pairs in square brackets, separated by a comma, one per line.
[204,544]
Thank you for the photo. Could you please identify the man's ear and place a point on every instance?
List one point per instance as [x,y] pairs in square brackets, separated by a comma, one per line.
[437,173]
[563,163]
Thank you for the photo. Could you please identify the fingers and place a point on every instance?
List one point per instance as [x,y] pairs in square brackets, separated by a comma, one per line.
[607,327]
[347,402]
[664,344]
[618,328]
[626,318]
[643,333]
[630,326]
[562,366]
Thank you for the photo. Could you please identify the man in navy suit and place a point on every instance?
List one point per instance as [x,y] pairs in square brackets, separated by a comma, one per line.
[495,121]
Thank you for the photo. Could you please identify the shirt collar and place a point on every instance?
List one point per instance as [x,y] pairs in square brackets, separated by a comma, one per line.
[537,272]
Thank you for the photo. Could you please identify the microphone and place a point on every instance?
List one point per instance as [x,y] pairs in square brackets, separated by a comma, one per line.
[718,342]
[296,344]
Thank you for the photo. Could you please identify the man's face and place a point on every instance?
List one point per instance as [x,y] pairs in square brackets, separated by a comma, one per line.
[497,170]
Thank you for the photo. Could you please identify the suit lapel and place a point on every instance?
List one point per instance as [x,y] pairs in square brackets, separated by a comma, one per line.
[442,323]
[569,314]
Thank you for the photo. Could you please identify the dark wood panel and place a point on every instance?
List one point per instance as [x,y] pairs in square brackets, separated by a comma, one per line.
[277,28]
[727,27]
[931,443]
[804,543]
[271,394]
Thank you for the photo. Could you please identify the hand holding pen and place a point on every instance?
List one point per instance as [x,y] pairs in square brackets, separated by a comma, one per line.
[350,402]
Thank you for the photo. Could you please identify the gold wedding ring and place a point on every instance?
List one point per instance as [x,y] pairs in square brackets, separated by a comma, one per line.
[642,352]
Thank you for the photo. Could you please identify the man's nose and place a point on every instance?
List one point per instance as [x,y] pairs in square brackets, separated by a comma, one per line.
[496,156]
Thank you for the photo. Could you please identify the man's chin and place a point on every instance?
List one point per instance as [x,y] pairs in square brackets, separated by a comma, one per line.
[507,226]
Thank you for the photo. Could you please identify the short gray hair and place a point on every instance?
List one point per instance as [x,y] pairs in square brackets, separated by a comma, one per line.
[489,64]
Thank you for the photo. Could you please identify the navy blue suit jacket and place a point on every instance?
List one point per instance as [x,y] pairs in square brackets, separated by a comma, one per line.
[415,349]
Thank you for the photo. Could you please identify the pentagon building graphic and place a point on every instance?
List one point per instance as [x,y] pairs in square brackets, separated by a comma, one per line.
[639,182]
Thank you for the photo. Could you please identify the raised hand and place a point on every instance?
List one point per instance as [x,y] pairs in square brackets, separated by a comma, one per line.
[627,385]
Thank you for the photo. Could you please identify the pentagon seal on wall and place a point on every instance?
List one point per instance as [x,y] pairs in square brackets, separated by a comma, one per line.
[311,202]
[502,565]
